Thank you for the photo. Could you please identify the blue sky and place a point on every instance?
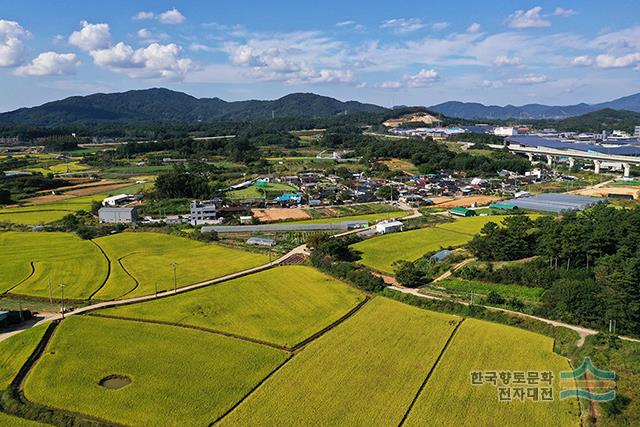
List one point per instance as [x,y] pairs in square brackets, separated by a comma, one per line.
[389,53]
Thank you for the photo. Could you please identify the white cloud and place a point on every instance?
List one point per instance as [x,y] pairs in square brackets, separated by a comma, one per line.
[528,19]
[403,25]
[528,79]
[154,61]
[581,61]
[91,36]
[423,78]
[391,85]
[12,37]
[625,40]
[611,61]
[565,13]
[473,28]
[142,15]
[345,23]
[439,26]
[502,60]
[50,64]
[171,16]
[199,47]
[144,33]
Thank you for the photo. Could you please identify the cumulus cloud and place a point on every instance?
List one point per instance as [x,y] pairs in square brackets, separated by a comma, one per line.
[423,78]
[531,18]
[403,25]
[391,85]
[581,61]
[171,16]
[50,64]
[473,28]
[623,61]
[153,61]
[502,60]
[565,13]
[528,79]
[91,36]
[12,49]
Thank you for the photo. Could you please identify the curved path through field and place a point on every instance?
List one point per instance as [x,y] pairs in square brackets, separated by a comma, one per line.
[297,251]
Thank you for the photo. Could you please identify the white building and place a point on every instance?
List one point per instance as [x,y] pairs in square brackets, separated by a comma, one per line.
[205,212]
[117,215]
[117,200]
[391,226]
[505,131]
[636,132]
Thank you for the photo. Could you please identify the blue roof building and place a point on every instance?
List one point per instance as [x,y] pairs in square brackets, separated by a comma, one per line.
[289,197]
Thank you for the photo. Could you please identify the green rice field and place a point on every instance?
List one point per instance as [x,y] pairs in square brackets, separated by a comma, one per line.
[14,352]
[449,398]
[282,305]
[178,376]
[364,372]
[273,189]
[462,286]
[61,258]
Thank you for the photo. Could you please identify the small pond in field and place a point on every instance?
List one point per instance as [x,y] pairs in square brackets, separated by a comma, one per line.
[114,382]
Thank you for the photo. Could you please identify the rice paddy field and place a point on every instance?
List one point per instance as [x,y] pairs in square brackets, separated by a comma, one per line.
[11,421]
[449,398]
[30,260]
[282,305]
[178,376]
[14,352]
[379,253]
[364,372]
[147,259]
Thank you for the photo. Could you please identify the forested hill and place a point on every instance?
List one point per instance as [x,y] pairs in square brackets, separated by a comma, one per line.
[167,105]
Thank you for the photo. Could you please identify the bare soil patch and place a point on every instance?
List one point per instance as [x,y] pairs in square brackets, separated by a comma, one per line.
[279,214]
[463,202]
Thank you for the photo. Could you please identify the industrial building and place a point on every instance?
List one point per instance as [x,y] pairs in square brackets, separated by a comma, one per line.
[205,212]
[462,212]
[261,241]
[386,227]
[117,215]
[117,200]
[554,202]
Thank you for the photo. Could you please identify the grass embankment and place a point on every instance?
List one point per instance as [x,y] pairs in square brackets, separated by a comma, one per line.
[62,258]
[283,305]
[179,376]
[14,352]
[148,258]
[364,372]
[450,399]
[11,421]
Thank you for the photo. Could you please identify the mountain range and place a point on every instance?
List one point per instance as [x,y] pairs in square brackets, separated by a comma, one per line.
[160,104]
[472,110]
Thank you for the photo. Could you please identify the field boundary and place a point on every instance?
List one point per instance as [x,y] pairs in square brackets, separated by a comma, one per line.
[327,328]
[197,328]
[15,394]
[106,279]
[33,271]
[431,371]
[128,274]
[250,392]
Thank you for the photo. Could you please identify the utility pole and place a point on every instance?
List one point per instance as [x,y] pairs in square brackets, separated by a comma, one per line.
[62,292]
[156,283]
[175,286]
[50,292]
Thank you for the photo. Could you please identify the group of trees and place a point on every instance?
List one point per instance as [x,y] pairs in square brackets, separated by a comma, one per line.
[16,188]
[589,262]
[195,181]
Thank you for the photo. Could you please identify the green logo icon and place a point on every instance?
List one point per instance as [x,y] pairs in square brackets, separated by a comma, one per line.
[588,382]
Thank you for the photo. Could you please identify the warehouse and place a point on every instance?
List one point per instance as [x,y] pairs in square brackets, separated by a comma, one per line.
[117,215]
[555,202]
[462,212]
[386,227]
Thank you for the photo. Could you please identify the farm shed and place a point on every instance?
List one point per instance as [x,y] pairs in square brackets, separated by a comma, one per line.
[556,202]
[386,227]
[117,215]
[462,212]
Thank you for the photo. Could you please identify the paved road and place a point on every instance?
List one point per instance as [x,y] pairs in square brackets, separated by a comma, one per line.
[456,267]
[581,331]
[300,250]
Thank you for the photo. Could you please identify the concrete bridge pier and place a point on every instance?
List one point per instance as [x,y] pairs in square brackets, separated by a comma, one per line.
[549,160]
[572,162]
[627,170]
[596,166]
[530,157]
